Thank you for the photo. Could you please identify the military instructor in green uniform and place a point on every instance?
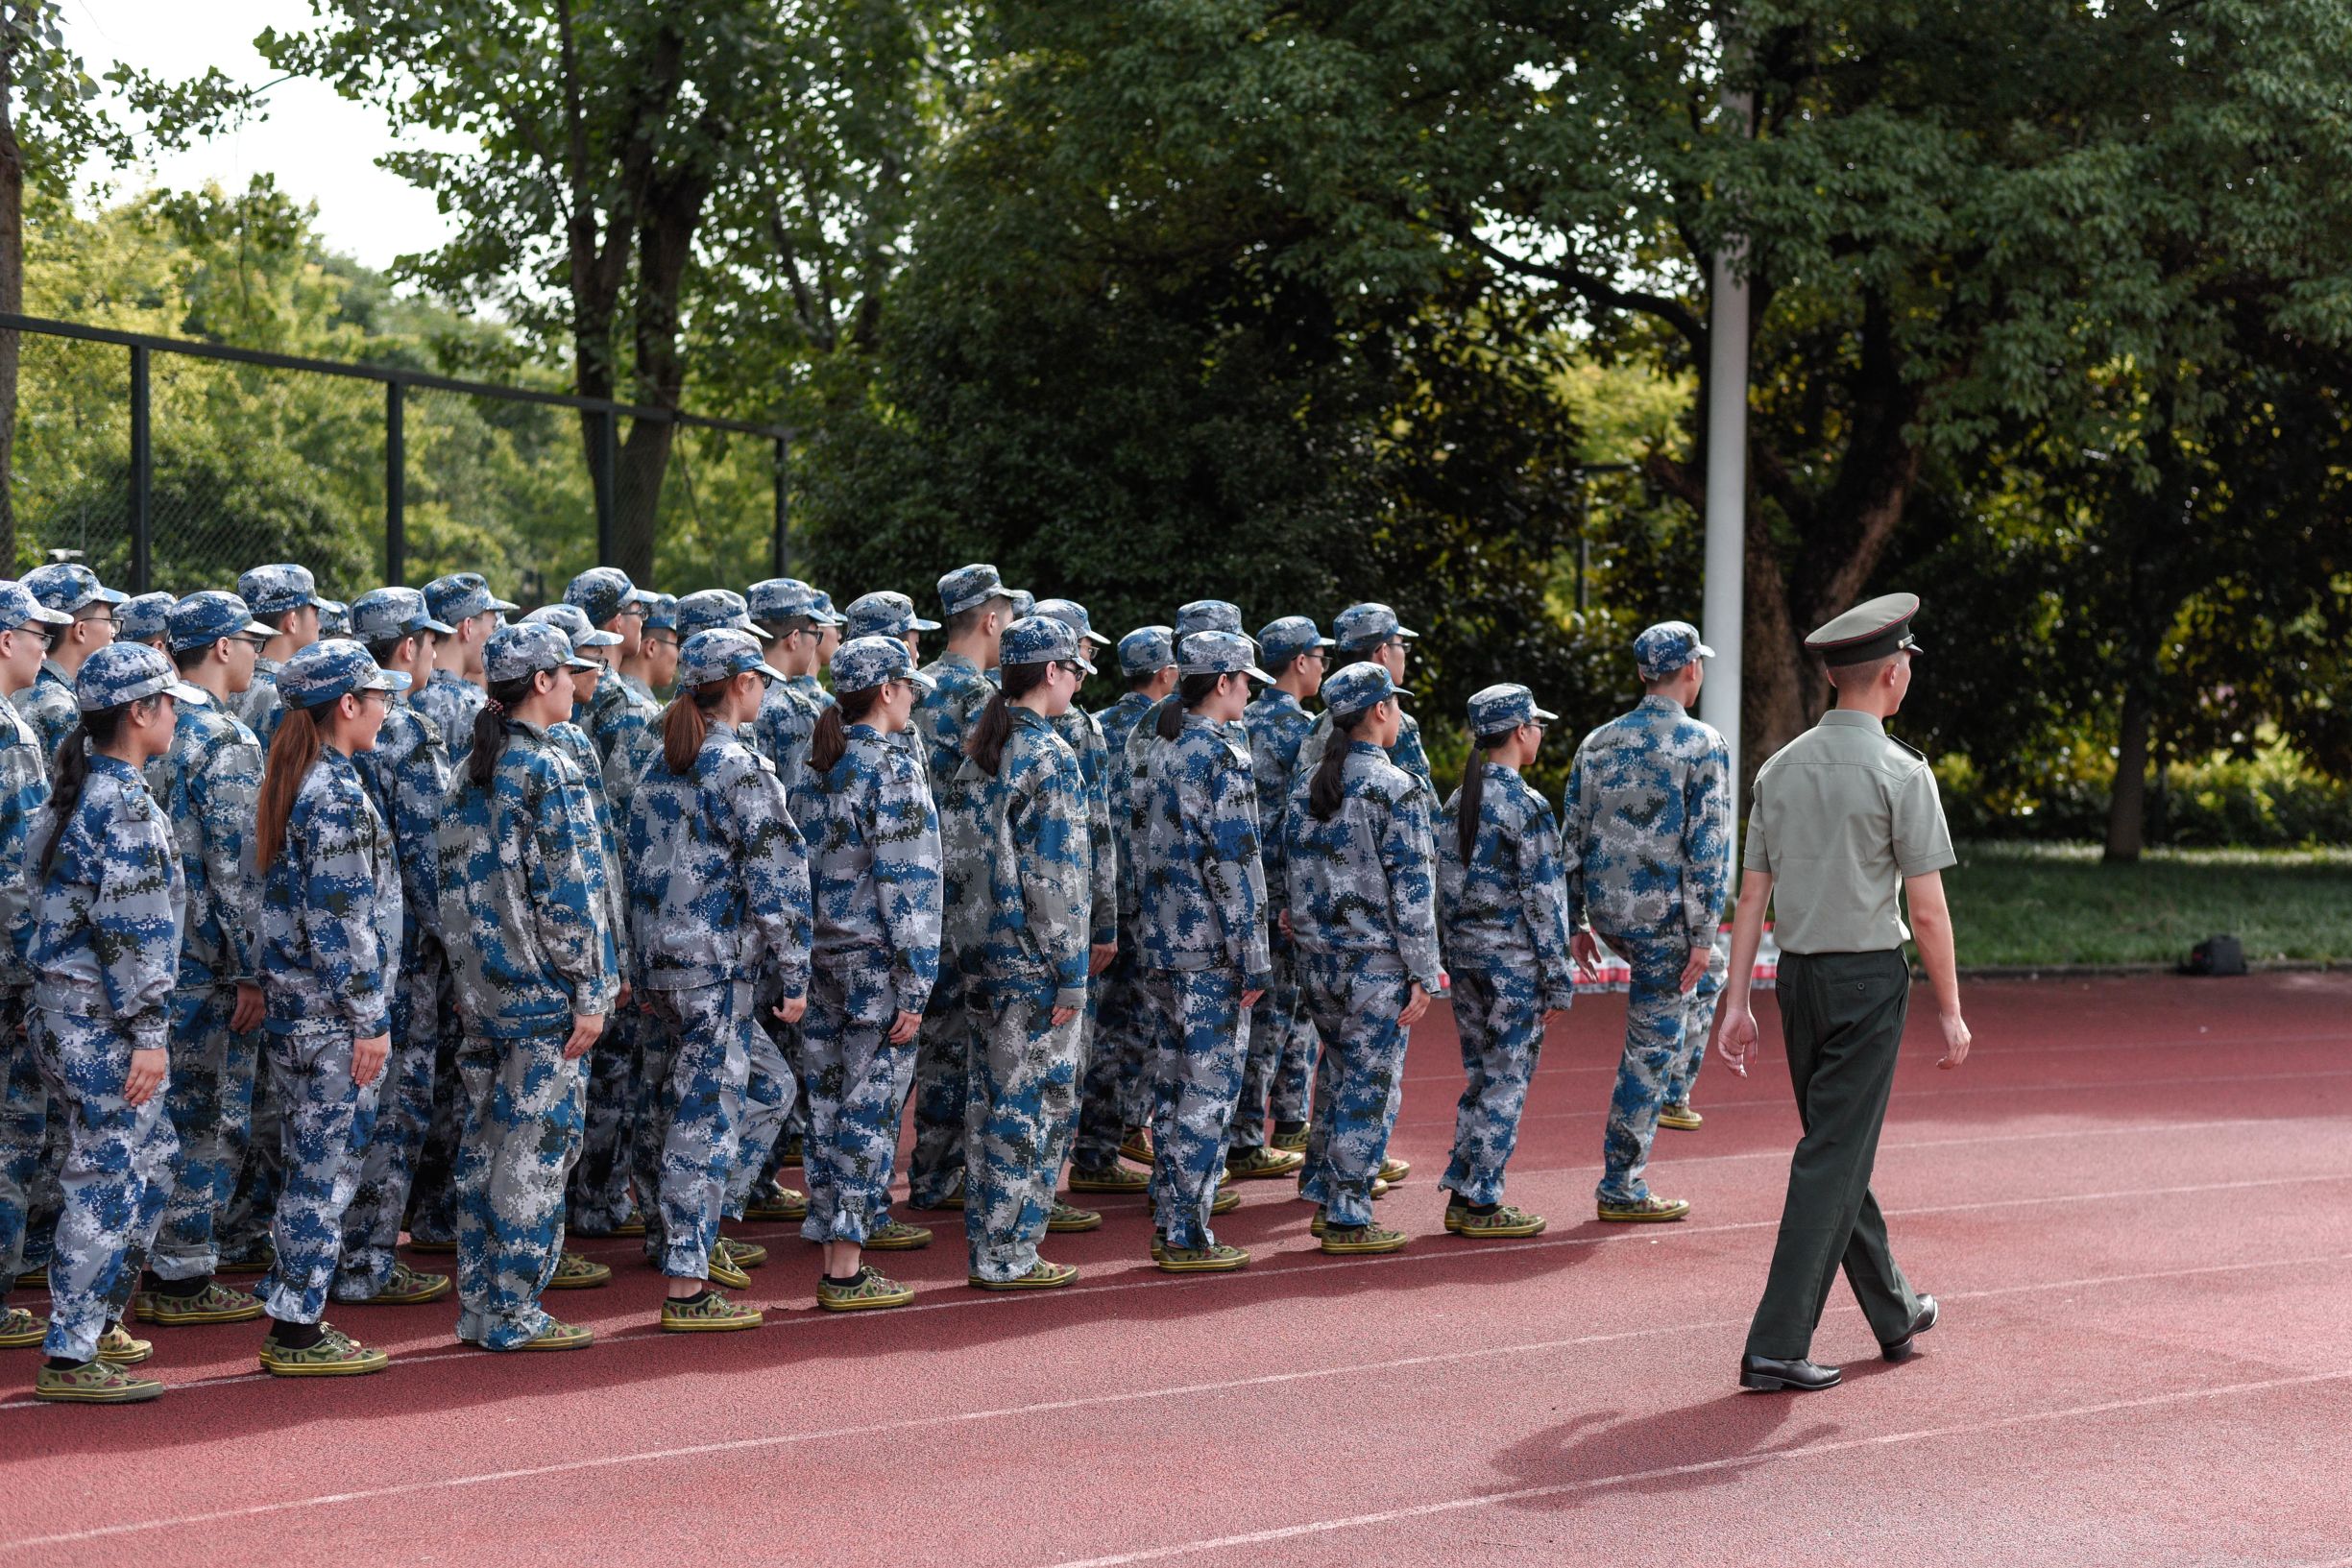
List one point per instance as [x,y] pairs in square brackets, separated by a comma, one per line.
[1845,828]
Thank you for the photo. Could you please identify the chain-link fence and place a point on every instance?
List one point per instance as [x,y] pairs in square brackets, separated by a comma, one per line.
[176,466]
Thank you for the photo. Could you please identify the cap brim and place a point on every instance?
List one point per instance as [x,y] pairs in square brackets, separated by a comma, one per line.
[1081,660]
[110,596]
[181,691]
[600,639]
[771,671]
[1095,637]
[385,680]
[252,628]
[1544,717]
[501,606]
[43,616]
[1258,674]
[919,624]
[922,681]
[430,624]
[1406,633]
[574,662]
[1703,651]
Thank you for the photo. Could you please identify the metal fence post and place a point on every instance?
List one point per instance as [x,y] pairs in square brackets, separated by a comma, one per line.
[396,482]
[608,438]
[142,472]
[782,549]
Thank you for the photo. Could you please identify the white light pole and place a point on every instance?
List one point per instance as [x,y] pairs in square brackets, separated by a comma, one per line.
[1723,608]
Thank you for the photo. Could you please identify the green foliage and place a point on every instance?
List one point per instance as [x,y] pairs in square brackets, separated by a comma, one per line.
[2059,904]
[2271,799]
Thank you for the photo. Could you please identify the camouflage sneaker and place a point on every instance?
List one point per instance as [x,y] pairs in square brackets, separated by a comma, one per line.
[554,1334]
[259,1261]
[1393,1172]
[1110,1178]
[719,1272]
[93,1382]
[1380,1186]
[409,1287]
[1215,1259]
[213,1303]
[1226,1201]
[116,1345]
[336,1355]
[868,1292]
[894,1235]
[433,1245]
[1355,1241]
[1041,1276]
[20,1329]
[778,1204]
[1136,1146]
[709,1313]
[1648,1209]
[1319,1224]
[631,1226]
[1258,1164]
[1290,1140]
[574,1272]
[1504,1223]
[742,1255]
[1062,1219]
[1681,1117]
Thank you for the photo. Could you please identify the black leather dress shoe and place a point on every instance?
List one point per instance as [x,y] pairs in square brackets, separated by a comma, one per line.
[1796,1376]
[1903,1350]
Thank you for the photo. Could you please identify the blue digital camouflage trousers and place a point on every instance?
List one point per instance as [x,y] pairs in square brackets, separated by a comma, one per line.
[253,1207]
[857,1084]
[524,1111]
[1119,1058]
[1203,1039]
[116,1178]
[1500,1018]
[1020,1111]
[1353,1003]
[769,1088]
[1665,1040]
[942,1083]
[403,1115]
[24,1131]
[210,1103]
[432,1191]
[602,1178]
[697,1061]
[1281,1056]
[327,1120]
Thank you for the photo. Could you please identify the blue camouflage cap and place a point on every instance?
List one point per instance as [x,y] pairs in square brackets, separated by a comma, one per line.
[712,606]
[324,671]
[517,652]
[205,617]
[275,589]
[460,596]
[578,630]
[722,654]
[884,612]
[1147,650]
[781,598]
[1075,614]
[1024,602]
[1219,653]
[601,593]
[122,672]
[69,586]
[968,588]
[1290,636]
[18,608]
[1041,639]
[386,615]
[1358,687]
[141,619]
[334,618]
[864,661]
[661,612]
[1667,647]
[1498,710]
[1362,626]
[1208,615]
[826,613]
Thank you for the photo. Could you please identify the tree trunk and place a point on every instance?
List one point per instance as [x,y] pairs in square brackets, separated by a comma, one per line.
[13,299]
[637,494]
[2127,806]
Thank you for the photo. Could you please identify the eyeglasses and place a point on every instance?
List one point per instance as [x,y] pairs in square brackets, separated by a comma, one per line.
[257,643]
[657,640]
[1071,668]
[94,620]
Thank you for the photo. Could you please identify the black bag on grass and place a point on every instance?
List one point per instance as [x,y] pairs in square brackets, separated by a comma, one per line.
[2215,955]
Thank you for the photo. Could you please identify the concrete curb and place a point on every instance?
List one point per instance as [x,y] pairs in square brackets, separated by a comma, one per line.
[2086,972]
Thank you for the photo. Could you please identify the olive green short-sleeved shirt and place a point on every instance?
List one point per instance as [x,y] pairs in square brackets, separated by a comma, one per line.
[1841,815]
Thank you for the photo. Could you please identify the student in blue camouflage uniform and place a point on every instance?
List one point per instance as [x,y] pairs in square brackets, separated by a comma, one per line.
[864,806]
[829,624]
[208,784]
[979,608]
[1111,1099]
[522,889]
[1281,1043]
[25,625]
[331,935]
[334,620]
[1368,634]
[1202,938]
[656,665]
[73,591]
[406,776]
[886,612]
[617,605]
[450,699]
[1360,863]
[720,888]
[105,948]
[1502,917]
[141,619]
[284,596]
[1646,827]
[1012,828]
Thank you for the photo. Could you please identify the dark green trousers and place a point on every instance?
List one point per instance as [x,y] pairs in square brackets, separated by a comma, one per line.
[1841,1016]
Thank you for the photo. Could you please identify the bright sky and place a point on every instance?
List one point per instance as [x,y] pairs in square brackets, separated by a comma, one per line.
[321,147]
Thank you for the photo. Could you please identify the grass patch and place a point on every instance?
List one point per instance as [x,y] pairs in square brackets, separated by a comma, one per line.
[2059,903]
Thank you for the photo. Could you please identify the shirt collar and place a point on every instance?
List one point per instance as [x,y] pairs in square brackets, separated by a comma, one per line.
[1654,703]
[1850,718]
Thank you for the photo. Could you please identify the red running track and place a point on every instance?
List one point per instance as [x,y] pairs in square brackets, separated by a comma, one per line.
[2135,1203]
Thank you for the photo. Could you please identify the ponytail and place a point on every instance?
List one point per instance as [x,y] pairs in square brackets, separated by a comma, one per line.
[1192,691]
[685,723]
[292,750]
[71,767]
[1325,792]
[490,728]
[1473,792]
[831,736]
[985,745]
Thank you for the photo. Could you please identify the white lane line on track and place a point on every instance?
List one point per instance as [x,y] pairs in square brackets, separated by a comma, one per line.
[1769,1456]
[1099,1401]
[1152,1281]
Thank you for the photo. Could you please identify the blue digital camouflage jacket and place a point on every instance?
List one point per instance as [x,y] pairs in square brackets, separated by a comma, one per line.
[209,783]
[873,837]
[1362,884]
[1507,907]
[1204,889]
[24,789]
[1018,879]
[330,907]
[106,921]
[1645,825]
